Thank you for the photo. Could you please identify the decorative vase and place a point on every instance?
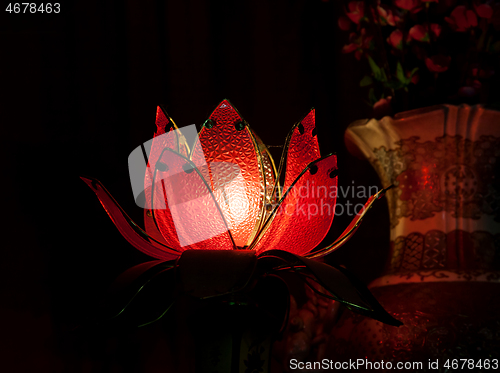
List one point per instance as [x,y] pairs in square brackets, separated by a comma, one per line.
[442,277]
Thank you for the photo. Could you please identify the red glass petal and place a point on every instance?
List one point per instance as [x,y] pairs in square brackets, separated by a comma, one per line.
[301,148]
[230,145]
[175,141]
[131,231]
[152,230]
[184,207]
[164,125]
[306,211]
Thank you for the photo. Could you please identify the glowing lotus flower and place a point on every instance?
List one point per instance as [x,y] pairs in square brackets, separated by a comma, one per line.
[235,200]
[219,210]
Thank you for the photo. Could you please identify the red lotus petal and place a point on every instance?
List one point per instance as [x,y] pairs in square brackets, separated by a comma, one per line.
[164,124]
[191,206]
[129,230]
[152,230]
[301,148]
[166,136]
[225,143]
[306,212]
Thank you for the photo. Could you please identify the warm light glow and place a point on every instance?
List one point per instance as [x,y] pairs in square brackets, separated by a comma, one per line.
[232,197]
[242,179]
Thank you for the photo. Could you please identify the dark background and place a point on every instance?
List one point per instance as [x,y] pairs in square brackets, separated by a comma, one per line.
[79,93]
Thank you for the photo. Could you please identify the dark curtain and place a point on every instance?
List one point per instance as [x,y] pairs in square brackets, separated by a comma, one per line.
[79,93]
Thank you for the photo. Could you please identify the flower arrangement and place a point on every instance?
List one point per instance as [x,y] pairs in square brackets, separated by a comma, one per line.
[424,52]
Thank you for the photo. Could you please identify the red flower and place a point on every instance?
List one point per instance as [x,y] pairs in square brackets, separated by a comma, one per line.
[462,19]
[387,17]
[436,29]
[411,5]
[438,64]
[358,43]
[414,78]
[419,33]
[349,48]
[395,39]
[356,11]
[382,107]
[484,10]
